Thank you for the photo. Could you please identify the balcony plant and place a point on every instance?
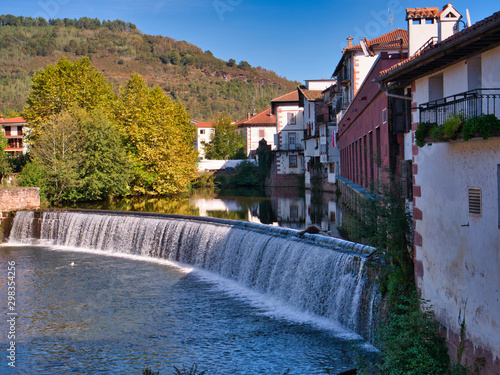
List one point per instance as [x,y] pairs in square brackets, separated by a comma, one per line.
[456,126]
[452,125]
[484,125]
[422,132]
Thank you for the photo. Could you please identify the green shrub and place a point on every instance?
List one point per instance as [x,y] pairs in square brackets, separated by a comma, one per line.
[422,132]
[437,133]
[410,340]
[451,126]
[484,125]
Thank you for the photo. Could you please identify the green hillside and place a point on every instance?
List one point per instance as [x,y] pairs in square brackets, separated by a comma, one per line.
[205,85]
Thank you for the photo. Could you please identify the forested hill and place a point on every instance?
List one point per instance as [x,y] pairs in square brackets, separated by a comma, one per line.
[205,84]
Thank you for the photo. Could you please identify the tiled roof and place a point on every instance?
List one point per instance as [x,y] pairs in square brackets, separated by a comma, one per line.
[311,95]
[205,124]
[386,41]
[290,97]
[263,118]
[12,120]
[421,13]
[477,28]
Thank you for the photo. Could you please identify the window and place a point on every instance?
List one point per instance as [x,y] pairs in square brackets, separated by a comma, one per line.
[7,130]
[293,161]
[384,115]
[291,118]
[202,131]
[19,130]
[291,140]
[262,133]
[429,21]
[436,87]
[332,167]
[417,22]
[475,201]
[294,211]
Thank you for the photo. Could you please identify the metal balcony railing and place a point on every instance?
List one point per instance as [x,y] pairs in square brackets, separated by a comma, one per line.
[290,147]
[468,104]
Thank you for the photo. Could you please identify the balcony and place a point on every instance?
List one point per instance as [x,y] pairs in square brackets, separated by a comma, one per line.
[461,117]
[467,104]
[290,147]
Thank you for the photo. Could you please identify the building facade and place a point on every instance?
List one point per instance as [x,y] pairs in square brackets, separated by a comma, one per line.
[456,184]
[203,132]
[257,127]
[14,129]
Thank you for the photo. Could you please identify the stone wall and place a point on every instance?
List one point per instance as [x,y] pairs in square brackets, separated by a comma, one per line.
[14,199]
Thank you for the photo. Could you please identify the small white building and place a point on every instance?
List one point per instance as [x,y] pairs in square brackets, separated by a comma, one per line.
[14,130]
[257,127]
[203,132]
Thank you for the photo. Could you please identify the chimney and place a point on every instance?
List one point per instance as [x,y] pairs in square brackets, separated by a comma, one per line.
[449,19]
[248,116]
[349,41]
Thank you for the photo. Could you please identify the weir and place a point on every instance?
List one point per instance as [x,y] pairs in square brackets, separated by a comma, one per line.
[322,276]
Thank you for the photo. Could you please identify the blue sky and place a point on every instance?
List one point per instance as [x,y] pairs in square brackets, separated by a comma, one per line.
[297,39]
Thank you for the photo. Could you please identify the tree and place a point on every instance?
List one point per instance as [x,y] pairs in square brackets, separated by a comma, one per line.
[105,169]
[64,85]
[56,153]
[225,143]
[77,157]
[159,135]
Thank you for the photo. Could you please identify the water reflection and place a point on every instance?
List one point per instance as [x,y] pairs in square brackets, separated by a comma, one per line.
[285,207]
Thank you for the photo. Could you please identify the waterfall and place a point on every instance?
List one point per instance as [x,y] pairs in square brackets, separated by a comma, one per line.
[314,274]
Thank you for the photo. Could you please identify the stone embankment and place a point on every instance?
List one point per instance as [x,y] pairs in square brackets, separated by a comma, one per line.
[16,199]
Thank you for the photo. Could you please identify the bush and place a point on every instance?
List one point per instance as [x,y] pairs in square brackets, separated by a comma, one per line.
[484,125]
[422,132]
[451,126]
[437,133]
[410,340]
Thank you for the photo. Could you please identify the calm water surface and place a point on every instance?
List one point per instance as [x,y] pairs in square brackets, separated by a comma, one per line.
[119,315]
[286,207]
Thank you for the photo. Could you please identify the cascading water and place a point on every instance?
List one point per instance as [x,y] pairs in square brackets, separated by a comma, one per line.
[314,275]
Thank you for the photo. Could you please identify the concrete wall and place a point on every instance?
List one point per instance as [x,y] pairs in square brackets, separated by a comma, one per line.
[15,199]
[458,254]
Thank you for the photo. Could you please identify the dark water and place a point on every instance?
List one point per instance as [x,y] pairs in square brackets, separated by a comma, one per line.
[119,315]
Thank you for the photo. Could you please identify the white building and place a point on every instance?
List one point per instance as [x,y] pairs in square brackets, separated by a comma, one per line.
[257,127]
[203,132]
[358,60]
[457,183]
[319,128]
[14,130]
[289,154]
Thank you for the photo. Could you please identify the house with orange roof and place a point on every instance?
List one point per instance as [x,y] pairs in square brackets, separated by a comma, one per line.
[257,127]
[357,61]
[203,132]
[368,138]
[14,129]
[455,91]
[288,166]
